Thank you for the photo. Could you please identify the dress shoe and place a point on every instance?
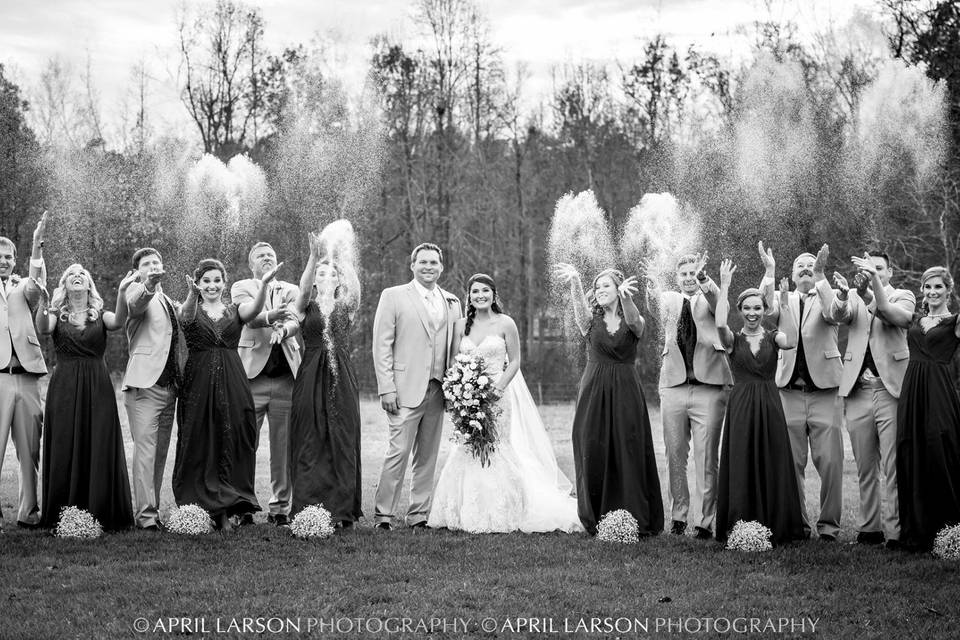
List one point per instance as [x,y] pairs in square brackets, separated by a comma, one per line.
[826,537]
[419,525]
[343,524]
[245,519]
[678,528]
[385,526]
[28,525]
[279,520]
[870,537]
[703,534]
[156,527]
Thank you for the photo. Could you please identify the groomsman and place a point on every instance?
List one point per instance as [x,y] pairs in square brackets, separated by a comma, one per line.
[694,378]
[271,358]
[150,382]
[21,365]
[412,336]
[874,366]
[808,377]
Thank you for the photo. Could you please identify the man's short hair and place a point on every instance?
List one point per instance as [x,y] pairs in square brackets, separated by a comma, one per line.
[259,245]
[425,246]
[140,254]
[879,254]
[7,242]
[687,258]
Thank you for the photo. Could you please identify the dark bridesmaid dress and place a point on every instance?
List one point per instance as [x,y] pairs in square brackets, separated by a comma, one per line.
[84,464]
[928,436]
[325,422]
[612,447]
[756,480]
[217,436]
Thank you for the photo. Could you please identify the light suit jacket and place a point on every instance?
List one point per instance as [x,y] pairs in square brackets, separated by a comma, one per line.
[709,357]
[254,346]
[18,301]
[888,342]
[819,332]
[149,332]
[402,344]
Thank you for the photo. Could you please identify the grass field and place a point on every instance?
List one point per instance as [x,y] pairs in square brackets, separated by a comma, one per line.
[407,583]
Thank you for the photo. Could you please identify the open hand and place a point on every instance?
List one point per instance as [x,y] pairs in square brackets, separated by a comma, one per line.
[766,257]
[864,264]
[727,269]
[841,283]
[40,230]
[278,335]
[270,275]
[193,286]
[131,277]
[565,273]
[628,287]
[701,262]
[314,238]
[820,265]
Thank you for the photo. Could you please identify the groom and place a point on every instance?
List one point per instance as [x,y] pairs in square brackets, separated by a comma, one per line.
[412,334]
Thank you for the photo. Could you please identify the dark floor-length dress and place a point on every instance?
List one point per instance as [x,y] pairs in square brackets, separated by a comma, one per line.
[928,436]
[757,480]
[612,447]
[325,421]
[217,436]
[84,464]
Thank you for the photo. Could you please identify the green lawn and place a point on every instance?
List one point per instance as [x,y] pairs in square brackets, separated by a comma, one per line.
[407,583]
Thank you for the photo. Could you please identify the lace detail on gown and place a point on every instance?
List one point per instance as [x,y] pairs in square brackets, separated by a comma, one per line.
[515,492]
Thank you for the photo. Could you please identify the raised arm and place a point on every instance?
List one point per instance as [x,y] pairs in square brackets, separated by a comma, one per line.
[789,333]
[898,314]
[631,314]
[309,274]
[117,318]
[722,312]
[249,310]
[768,281]
[37,275]
[567,274]
[188,310]
[707,286]
[824,291]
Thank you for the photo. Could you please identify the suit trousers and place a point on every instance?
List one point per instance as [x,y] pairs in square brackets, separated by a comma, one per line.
[150,413]
[273,398]
[692,413]
[413,430]
[871,417]
[22,413]
[814,417]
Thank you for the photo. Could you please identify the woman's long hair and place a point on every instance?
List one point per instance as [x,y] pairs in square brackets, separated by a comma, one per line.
[472,310]
[60,300]
[933,272]
[617,276]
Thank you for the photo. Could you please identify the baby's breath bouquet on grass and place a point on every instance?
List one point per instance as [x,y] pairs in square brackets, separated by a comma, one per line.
[77,523]
[472,405]
[189,520]
[946,546]
[749,536]
[312,522]
[618,526]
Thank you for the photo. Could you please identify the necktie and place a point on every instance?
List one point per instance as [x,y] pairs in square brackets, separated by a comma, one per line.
[686,334]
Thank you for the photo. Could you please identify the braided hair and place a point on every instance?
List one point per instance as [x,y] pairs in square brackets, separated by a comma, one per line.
[472,310]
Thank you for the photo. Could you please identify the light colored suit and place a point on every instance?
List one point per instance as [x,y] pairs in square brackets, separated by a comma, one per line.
[150,407]
[693,411]
[813,416]
[870,407]
[20,409]
[272,397]
[410,354]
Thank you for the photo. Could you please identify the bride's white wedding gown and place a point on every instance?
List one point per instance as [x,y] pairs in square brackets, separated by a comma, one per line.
[522,488]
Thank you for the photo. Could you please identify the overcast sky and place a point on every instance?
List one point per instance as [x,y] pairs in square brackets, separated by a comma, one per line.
[117,33]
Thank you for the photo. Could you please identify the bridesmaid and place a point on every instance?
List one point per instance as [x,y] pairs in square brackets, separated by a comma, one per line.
[84,464]
[325,420]
[928,419]
[756,481]
[217,436]
[612,447]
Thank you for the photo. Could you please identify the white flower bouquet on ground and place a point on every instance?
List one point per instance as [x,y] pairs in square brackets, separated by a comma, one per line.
[312,522]
[189,520]
[76,523]
[618,526]
[749,536]
[946,546]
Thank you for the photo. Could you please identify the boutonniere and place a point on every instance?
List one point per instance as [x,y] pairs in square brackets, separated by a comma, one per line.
[14,280]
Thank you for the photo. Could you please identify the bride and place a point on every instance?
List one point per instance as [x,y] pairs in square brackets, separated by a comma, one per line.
[522,488]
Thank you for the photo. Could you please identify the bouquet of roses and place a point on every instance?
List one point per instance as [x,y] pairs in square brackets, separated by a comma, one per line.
[472,403]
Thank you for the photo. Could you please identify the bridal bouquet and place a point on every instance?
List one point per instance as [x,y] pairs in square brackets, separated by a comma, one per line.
[472,405]
[749,536]
[947,544]
[189,520]
[77,523]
